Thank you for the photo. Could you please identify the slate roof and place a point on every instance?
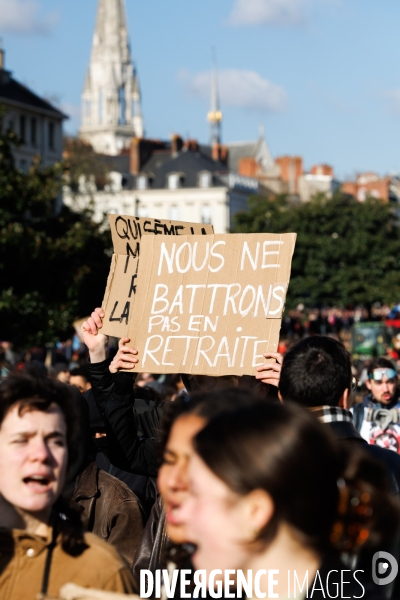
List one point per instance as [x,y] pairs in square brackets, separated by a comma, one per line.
[157,160]
[239,150]
[236,150]
[119,163]
[10,89]
[257,149]
[189,163]
[205,149]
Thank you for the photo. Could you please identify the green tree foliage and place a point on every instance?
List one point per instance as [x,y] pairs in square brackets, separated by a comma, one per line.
[347,252]
[53,263]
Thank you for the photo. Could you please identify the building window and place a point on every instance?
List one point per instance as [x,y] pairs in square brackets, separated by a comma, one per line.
[23,165]
[142,211]
[122,105]
[206,214]
[33,132]
[174,181]
[22,127]
[174,213]
[51,136]
[205,180]
[141,182]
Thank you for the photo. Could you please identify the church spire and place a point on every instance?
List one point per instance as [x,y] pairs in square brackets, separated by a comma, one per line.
[215,115]
[111,111]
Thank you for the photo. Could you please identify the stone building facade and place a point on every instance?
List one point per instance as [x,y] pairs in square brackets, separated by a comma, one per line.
[33,119]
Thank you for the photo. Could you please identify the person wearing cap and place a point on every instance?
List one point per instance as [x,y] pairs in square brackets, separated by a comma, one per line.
[377,417]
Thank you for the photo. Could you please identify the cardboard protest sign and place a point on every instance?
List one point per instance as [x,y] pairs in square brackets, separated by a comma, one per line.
[127,232]
[210,305]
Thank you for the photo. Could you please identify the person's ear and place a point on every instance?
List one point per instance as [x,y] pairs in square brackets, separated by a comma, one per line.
[368,384]
[345,400]
[259,509]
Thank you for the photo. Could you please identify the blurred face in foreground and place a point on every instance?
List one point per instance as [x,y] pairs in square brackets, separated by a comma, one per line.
[33,459]
[173,476]
[221,523]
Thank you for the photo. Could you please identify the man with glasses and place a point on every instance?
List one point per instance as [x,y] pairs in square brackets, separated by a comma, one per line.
[377,417]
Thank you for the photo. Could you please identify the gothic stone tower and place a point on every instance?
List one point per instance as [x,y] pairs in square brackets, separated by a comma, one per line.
[111,113]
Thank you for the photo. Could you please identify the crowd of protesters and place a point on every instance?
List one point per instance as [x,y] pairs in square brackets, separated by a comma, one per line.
[329,320]
[106,474]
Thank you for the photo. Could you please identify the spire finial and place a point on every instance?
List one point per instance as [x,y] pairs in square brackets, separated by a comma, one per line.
[215,115]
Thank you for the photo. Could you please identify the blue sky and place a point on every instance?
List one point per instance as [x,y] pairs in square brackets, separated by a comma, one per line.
[323,76]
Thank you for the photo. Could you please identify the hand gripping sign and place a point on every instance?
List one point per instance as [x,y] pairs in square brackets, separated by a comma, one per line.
[209,304]
[127,233]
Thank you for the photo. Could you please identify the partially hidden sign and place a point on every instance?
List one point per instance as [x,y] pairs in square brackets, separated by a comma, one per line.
[127,233]
[211,304]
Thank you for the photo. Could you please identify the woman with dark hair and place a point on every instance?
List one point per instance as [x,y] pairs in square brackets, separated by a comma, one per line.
[42,544]
[270,489]
[165,536]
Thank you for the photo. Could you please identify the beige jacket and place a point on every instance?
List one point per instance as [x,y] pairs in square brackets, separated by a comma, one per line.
[75,592]
[22,563]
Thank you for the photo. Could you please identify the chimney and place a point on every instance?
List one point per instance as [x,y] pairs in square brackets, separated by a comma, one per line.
[247,166]
[223,155]
[291,168]
[191,145]
[321,170]
[141,151]
[219,153]
[176,144]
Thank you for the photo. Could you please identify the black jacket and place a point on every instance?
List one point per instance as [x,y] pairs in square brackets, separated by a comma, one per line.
[153,545]
[140,455]
[131,422]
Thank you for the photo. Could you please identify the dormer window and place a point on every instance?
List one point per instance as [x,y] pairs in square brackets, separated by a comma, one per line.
[142,182]
[205,179]
[206,214]
[174,181]
[142,211]
[174,213]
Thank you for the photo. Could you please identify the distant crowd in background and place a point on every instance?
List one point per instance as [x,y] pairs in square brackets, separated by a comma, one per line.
[107,474]
[64,359]
[303,321]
